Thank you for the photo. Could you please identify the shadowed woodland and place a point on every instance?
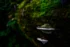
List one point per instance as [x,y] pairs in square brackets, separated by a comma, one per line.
[19,19]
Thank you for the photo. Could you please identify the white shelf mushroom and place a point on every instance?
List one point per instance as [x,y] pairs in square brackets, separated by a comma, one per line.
[42,40]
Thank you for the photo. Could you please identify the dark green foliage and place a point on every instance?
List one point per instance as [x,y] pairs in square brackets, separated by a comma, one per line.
[20,30]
